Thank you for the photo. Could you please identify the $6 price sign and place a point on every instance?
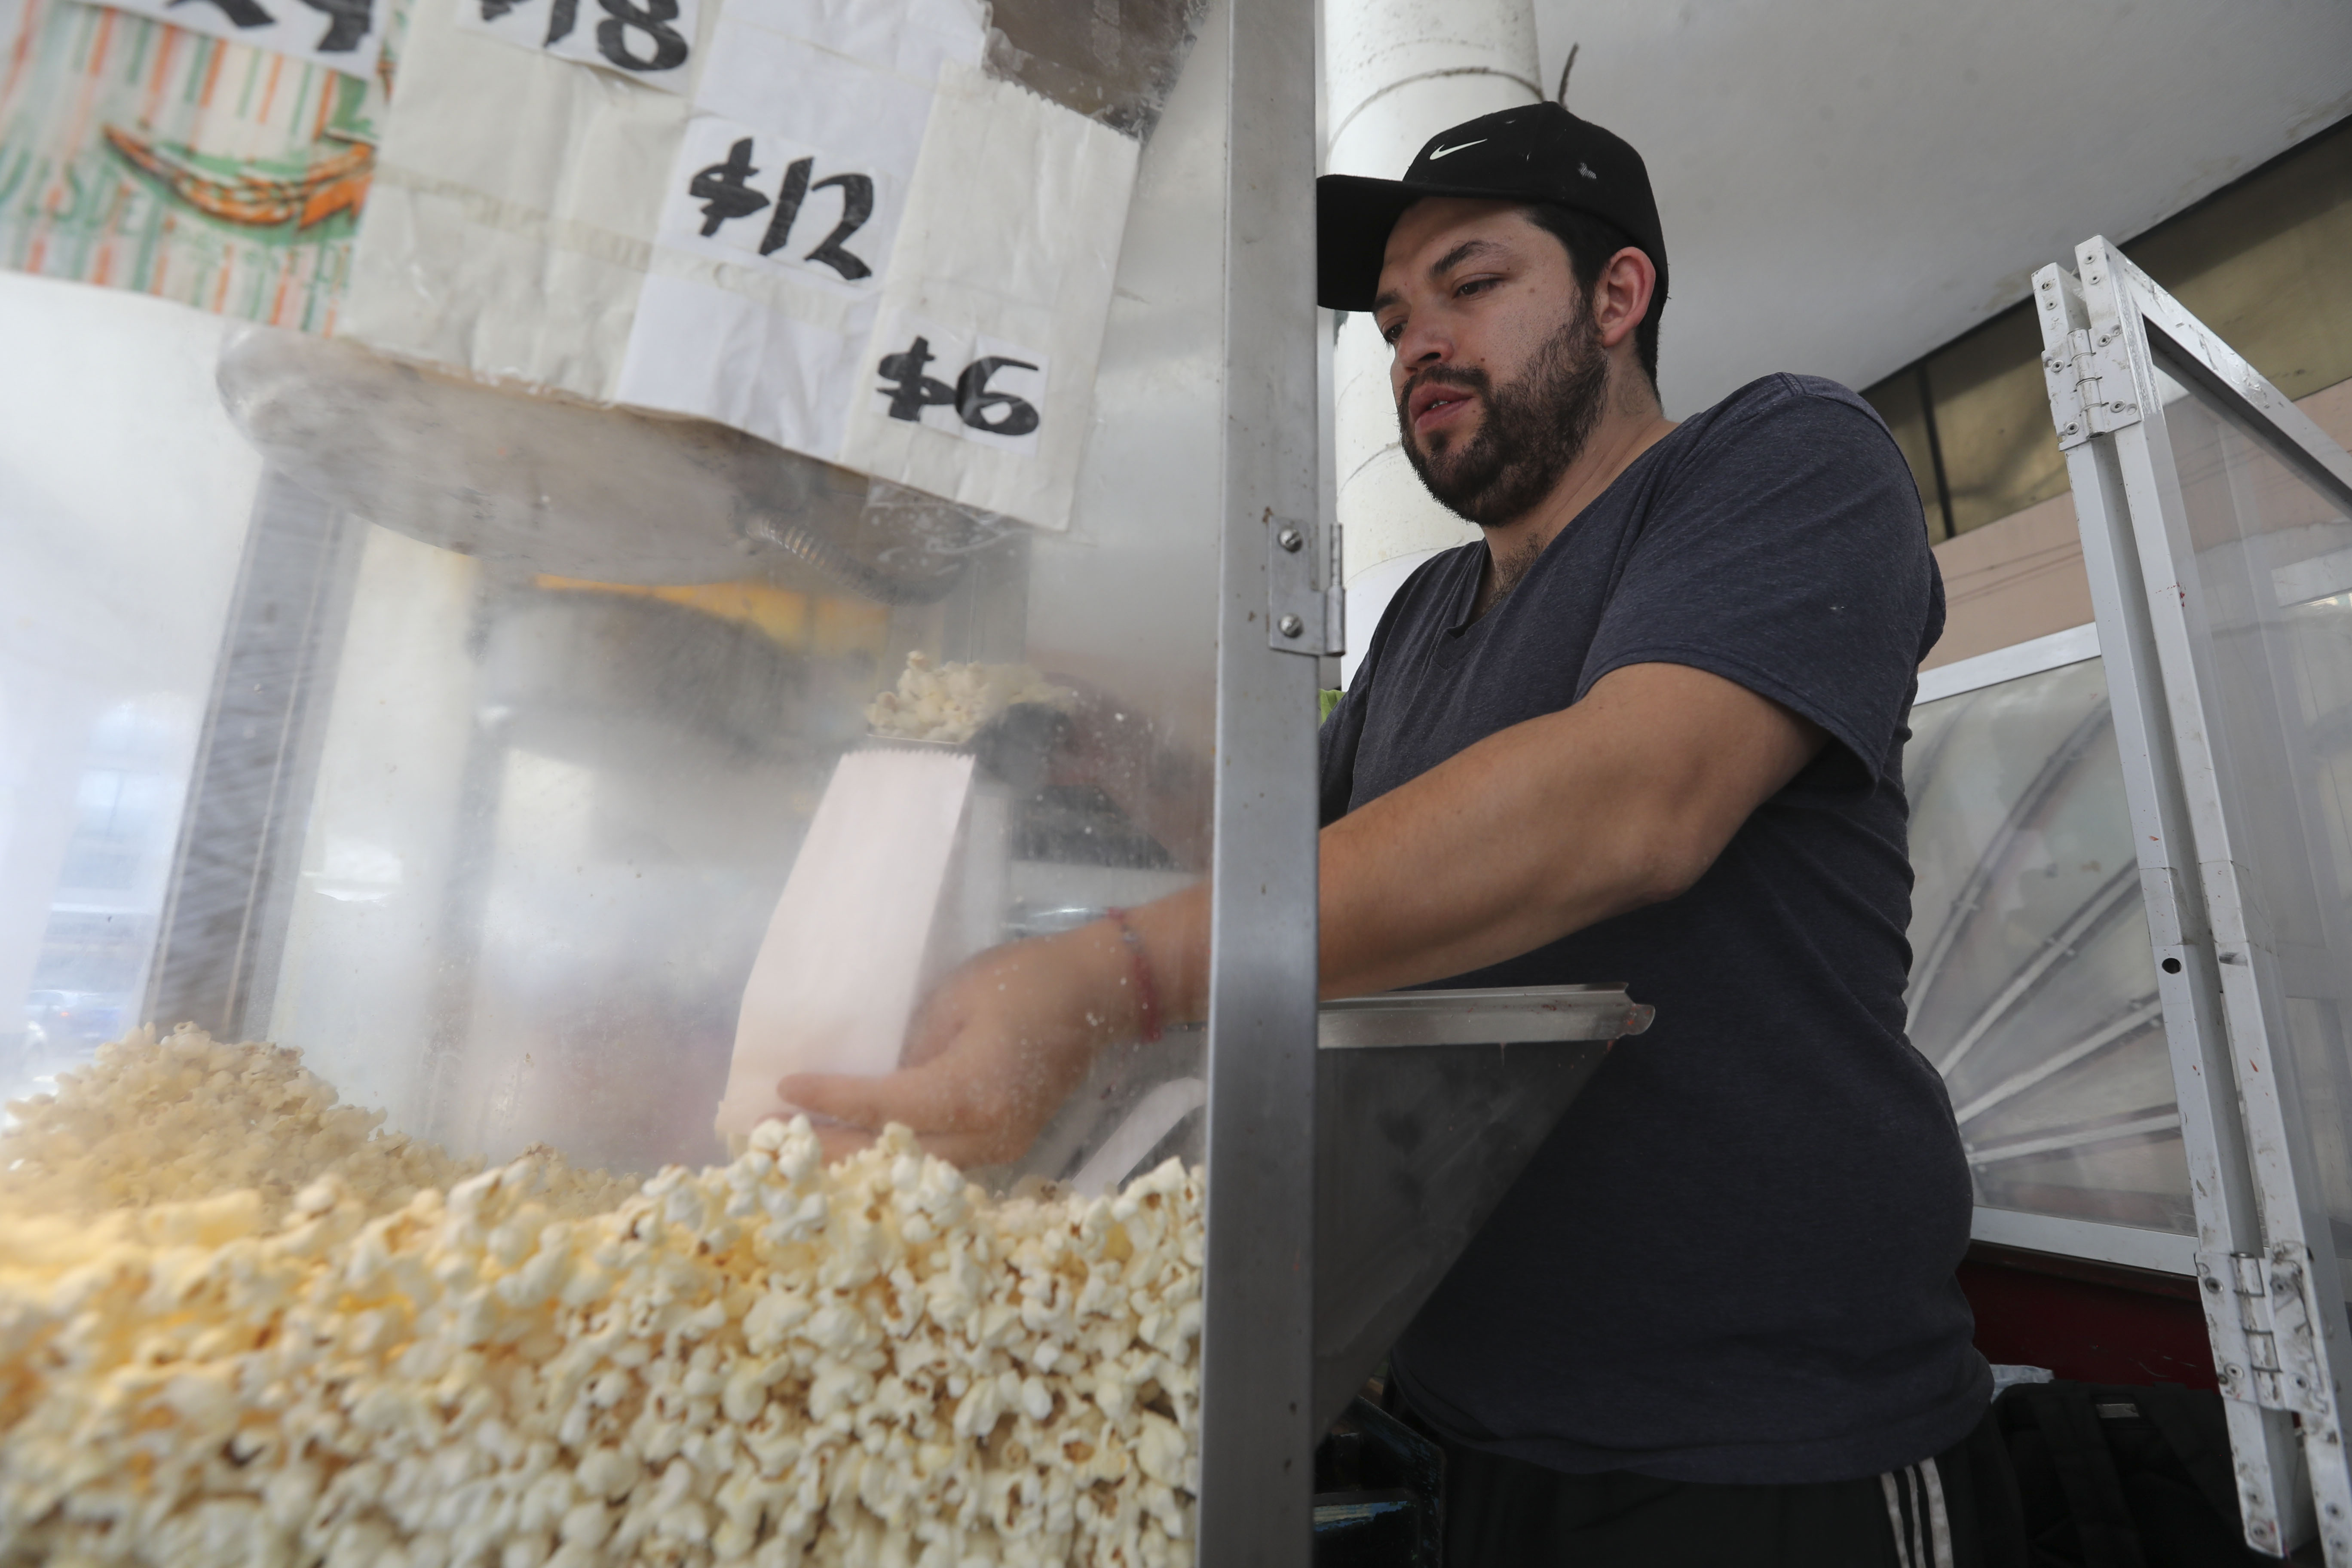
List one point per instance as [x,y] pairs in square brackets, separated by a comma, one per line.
[993,414]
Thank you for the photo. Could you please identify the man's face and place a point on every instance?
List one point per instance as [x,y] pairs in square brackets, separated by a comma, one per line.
[1499,375]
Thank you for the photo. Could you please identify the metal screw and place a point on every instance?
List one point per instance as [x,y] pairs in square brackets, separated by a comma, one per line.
[1289,538]
[1290,626]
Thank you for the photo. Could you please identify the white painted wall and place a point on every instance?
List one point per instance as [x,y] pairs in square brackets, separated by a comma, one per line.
[1396,73]
[1846,183]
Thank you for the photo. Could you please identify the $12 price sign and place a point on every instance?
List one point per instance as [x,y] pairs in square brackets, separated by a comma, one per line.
[648,40]
[757,197]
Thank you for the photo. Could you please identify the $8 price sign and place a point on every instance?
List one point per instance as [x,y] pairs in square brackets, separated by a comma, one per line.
[993,398]
[651,40]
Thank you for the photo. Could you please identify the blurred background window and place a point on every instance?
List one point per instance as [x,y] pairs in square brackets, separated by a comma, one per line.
[2261,262]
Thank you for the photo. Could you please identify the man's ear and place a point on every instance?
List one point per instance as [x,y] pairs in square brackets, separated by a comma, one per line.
[1621,295]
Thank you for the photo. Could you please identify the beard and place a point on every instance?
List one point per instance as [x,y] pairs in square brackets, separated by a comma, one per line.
[1534,428]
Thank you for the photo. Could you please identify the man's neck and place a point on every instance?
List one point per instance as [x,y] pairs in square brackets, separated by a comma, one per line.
[1631,427]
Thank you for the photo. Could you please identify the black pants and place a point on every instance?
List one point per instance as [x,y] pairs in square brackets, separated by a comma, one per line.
[1958,1509]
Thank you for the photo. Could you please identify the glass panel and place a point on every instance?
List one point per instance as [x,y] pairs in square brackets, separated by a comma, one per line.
[555,781]
[2032,987]
[117,580]
[2273,558]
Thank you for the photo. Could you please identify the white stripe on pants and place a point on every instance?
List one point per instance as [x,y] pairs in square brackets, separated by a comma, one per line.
[1915,1509]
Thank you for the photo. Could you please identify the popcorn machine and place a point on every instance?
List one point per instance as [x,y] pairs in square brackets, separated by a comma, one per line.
[535,624]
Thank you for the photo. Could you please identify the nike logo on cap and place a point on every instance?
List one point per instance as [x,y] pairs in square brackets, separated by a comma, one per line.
[1437,153]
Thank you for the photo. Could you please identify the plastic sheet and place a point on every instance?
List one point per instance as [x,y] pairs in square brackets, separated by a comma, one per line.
[2274,560]
[2032,989]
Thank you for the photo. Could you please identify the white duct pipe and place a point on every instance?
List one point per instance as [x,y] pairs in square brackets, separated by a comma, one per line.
[1397,72]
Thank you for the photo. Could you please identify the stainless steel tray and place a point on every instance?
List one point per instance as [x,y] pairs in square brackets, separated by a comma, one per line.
[1428,1106]
[1525,1015]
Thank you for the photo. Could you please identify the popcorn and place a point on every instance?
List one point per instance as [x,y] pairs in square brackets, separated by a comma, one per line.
[952,702]
[767,1363]
[187,1116]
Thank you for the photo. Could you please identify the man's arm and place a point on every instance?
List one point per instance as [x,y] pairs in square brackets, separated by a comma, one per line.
[1544,828]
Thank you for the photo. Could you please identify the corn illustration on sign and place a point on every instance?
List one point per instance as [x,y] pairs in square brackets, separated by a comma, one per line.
[151,156]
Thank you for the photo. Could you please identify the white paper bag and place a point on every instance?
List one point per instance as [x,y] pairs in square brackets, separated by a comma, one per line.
[838,975]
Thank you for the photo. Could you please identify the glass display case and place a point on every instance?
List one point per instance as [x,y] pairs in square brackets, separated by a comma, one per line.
[436,811]
[465,740]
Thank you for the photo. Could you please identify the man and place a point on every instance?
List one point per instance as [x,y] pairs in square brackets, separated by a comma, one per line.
[1649,729]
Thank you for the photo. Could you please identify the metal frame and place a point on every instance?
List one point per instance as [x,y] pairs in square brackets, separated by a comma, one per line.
[2159,1251]
[1508,1015]
[2015,662]
[223,930]
[2263,1243]
[1258,1430]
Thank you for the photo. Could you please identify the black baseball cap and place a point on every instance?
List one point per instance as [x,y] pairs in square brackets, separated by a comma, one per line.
[1539,152]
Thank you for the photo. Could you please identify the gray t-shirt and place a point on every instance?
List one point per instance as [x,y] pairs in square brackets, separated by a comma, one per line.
[1733,1261]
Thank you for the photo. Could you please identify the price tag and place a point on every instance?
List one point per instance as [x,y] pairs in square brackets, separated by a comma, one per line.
[762,197]
[847,237]
[979,388]
[342,35]
[650,41]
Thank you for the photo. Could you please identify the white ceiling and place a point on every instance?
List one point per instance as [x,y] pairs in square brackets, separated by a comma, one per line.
[1847,184]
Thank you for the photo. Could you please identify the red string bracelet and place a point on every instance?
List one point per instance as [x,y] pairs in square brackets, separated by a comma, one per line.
[1146,998]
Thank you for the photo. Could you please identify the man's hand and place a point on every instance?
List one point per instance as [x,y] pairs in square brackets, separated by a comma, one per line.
[993,1052]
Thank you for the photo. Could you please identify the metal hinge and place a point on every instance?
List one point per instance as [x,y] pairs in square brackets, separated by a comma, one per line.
[2090,386]
[1300,616]
[2261,1314]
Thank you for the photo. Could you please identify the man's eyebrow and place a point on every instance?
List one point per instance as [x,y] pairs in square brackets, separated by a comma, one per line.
[1459,254]
[1440,268]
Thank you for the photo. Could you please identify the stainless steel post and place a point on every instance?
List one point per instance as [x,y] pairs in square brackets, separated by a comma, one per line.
[1258,1435]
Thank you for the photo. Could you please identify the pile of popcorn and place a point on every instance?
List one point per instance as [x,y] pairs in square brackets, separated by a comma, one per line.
[196,1118]
[767,1363]
[952,701]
